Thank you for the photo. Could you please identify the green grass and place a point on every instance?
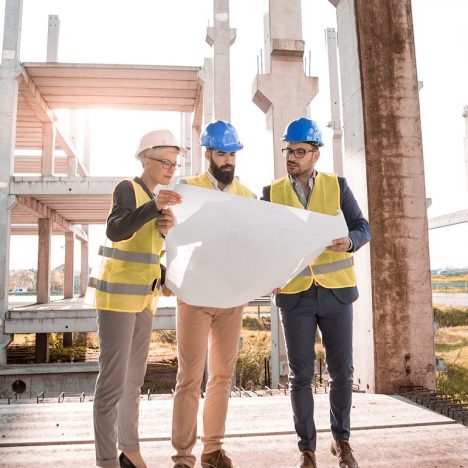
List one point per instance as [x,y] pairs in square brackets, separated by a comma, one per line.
[451,344]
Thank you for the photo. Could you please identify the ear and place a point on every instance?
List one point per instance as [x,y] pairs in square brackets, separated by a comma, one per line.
[317,156]
[207,154]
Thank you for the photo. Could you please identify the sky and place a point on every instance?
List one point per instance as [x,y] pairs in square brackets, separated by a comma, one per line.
[158,32]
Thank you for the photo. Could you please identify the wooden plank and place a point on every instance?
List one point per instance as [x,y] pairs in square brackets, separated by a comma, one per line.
[117,100]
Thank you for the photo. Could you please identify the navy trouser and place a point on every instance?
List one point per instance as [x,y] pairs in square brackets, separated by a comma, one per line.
[319,307]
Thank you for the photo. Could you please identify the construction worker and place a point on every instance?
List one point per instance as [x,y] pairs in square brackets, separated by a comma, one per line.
[321,295]
[207,328]
[126,292]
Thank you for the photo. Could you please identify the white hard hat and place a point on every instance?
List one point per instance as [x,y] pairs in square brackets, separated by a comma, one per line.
[157,138]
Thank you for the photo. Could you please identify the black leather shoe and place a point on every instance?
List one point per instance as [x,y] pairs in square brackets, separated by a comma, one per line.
[125,462]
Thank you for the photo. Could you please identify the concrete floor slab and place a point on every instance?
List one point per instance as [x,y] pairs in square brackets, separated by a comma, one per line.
[387,431]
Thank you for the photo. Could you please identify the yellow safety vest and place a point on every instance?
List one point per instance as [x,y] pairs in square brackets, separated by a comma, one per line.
[330,269]
[204,180]
[129,268]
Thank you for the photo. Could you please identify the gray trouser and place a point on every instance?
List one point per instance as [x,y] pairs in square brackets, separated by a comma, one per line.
[319,307]
[124,343]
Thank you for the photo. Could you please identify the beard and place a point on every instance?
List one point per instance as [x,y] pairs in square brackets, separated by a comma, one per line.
[222,174]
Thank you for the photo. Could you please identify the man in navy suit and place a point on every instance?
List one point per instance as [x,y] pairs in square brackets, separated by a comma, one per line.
[320,296]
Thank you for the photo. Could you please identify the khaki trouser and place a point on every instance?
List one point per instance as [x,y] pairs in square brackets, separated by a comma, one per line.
[202,329]
[124,343]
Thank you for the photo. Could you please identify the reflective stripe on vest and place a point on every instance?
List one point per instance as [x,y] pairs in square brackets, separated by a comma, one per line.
[120,288]
[332,266]
[138,257]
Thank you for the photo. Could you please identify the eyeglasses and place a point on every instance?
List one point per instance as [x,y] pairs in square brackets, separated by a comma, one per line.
[166,163]
[299,153]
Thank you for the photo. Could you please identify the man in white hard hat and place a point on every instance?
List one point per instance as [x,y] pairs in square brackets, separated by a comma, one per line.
[125,296]
[208,329]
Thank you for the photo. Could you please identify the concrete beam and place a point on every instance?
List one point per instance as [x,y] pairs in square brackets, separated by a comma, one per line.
[42,211]
[62,185]
[71,320]
[450,219]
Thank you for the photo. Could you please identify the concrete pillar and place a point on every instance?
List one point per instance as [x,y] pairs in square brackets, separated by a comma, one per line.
[221,37]
[335,102]
[383,154]
[43,282]
[53,38]
[8,110]
[48,148]
[84,269]
[465,142]
[208,91]
[87,142]
[284,50]
[196,151]
[68,278]
[81,338]
[187,142]
[68,270]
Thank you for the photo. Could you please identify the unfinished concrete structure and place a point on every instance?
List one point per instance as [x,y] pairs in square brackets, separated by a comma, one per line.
[393,318]
[63,198]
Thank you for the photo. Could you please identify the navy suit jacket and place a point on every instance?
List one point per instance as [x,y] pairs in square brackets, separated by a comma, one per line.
[359,232]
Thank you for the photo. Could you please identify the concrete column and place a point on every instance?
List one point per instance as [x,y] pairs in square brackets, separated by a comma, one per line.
[84,270]
[383,149]
[43,282]
[68,278]
[221,37]
[8,110]
[196,151]
[187,142]
[208,91]
[335,102]
[53,38]
[69,260]
[87,142]
[279,359]
[48,148]
[81,338]
[465,142]
[284,50]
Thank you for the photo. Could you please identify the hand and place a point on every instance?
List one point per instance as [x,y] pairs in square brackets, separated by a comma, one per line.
[165,220]
[340,245]
[166,291]
[166,198]
[276,291]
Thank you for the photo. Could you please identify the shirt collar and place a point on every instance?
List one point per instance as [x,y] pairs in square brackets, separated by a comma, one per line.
[311,180]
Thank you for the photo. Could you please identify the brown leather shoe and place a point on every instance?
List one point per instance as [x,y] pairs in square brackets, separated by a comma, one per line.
[342,450]
[217,459]
[307,460]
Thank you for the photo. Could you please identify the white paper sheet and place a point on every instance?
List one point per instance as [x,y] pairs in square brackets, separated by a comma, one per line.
[226,250]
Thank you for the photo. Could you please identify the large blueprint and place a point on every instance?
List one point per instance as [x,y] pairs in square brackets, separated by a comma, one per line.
[226,250]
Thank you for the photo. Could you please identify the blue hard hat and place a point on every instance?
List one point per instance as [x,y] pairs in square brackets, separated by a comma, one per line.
[303,130]
[221,136]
